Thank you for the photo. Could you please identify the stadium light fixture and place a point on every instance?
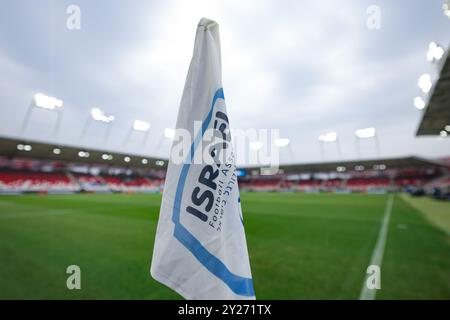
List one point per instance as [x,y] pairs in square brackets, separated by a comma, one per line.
[106,156]
[365,133]
[446,8]
[359,168]
[127,159]
[341,169]
[83,154]
[435,52]
[419,103]
[447,128]
[282,142]
[159,163]
[46,102]
[443,133]
[144,161]
[99,115]
[380,166]
[425,83]
[56,151]
[140,125]
[24,147]
[42,101]
[255,145]
[328,137]
[169,133]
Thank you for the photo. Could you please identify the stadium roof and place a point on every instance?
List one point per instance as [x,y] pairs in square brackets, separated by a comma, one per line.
[361,164]
[44,151]
[437,112]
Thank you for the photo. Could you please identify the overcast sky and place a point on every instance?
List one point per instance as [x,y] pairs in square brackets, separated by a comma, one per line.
[304,67]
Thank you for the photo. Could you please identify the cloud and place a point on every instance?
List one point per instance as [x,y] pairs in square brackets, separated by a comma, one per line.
[303,67]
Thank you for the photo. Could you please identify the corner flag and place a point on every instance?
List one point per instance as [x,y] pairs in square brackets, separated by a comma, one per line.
[200,248]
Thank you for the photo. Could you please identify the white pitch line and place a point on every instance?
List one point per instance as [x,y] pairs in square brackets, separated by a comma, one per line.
[377,255]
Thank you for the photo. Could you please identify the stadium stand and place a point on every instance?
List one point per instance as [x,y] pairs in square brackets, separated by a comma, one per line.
[369,176]
[49,182]
[23,181]
[40,170]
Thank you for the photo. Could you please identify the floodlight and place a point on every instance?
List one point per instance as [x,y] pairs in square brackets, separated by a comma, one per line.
[144,161]
[419,103]
[446,8]
[127,159]
[425,83]
[140,125]
[359,168]
[365,133]
[169,133]
[341,169]
[435,52]
[447,128]
[99,115]
[24,147]
[282,142]
[159,162]
[255,145]
[46,102]
[106,156]
[443,133]
[57,151]
[328,137]
[83,154]
[27,147]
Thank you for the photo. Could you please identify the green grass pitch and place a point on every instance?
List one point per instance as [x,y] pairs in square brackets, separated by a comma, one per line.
[302,246]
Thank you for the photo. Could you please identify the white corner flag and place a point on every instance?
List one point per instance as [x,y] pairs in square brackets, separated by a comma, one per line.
[200,248]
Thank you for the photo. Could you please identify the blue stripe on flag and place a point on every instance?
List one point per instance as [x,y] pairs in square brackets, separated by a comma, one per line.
[239,285]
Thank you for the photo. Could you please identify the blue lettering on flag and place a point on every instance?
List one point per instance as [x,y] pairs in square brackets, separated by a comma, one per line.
[239,285]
